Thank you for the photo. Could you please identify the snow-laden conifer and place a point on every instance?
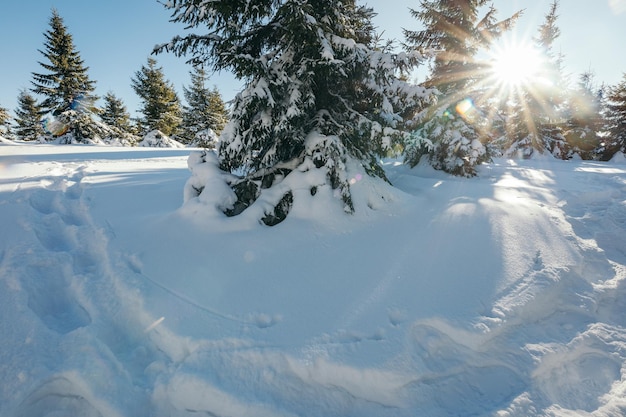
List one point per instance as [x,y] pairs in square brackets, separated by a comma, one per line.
[452,133]
[28,117]
[160,106]
[319,94]
[115,114]
[536,119]
[68,104]
[205,115]
[65,79]
[5,122]
[616,121]
[584,123]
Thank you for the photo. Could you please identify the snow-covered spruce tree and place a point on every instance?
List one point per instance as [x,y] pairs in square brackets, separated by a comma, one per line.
[584,123]
[5,122]
[205,115]
[65,87]
[28,118]
[160,104]
[320,100]
[536,119]
[453,131]
[616,122]
[115,115]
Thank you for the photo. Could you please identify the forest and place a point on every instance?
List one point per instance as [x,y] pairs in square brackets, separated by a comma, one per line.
[322,88]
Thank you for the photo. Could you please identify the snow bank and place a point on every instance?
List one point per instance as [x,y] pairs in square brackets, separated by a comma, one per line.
[501,295]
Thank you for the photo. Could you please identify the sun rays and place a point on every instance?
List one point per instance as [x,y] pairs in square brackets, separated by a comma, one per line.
[513,87]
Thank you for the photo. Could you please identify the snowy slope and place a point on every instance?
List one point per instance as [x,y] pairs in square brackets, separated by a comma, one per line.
[502,295]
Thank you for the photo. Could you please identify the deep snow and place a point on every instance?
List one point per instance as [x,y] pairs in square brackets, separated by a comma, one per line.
[502,295]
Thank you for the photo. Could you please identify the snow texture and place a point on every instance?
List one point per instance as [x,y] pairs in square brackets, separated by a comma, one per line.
[501,295]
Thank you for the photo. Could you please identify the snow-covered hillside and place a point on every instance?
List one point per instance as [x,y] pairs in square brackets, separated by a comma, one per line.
[501,295]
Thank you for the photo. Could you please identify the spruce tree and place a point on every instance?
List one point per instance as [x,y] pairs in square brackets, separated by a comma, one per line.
[584,122]
[68,100]
[616,121]
[5,122]
[552,99]
[536,119]
[320,98]
[205,111]
[114,113]
[160,104]
[65,84]
[453,131]
[28,118]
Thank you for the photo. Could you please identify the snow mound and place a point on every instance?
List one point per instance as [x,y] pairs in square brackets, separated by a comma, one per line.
[204,139]
[157,139]
[619,158]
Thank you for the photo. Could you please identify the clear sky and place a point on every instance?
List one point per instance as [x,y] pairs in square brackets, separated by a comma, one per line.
[115,38]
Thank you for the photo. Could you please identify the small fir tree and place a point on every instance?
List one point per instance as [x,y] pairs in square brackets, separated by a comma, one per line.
[320,99]
[114,113]
[5,122]
[117,121]
[584,120]
[205,111]
[453,131]
[28,118]
[160,104]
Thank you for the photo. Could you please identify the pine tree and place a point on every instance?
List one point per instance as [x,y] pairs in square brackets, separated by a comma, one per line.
[67,90]
[205,111]
[5,122]
[454,30]
[160,103]
[115,114]
[536,119]
[116,120]
[452,132]
[28,118]
[616,121]
[66,84]
[320,98]
[584,123]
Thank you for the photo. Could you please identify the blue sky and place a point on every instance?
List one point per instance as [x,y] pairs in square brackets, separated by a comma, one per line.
[115,38]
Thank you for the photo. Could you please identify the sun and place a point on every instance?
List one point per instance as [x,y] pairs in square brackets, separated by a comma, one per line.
[514,65]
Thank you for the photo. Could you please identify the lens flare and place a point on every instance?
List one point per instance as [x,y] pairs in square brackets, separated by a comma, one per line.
[464,106]
[80,103]
[355,179]
[466,109]
[54,127]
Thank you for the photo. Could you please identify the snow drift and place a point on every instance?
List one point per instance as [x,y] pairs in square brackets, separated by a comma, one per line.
[501,295]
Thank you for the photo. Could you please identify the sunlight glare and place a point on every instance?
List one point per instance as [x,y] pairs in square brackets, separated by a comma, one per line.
[617,6]
[514,65]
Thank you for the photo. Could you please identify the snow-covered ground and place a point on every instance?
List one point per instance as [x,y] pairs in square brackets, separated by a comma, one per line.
[502,295]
